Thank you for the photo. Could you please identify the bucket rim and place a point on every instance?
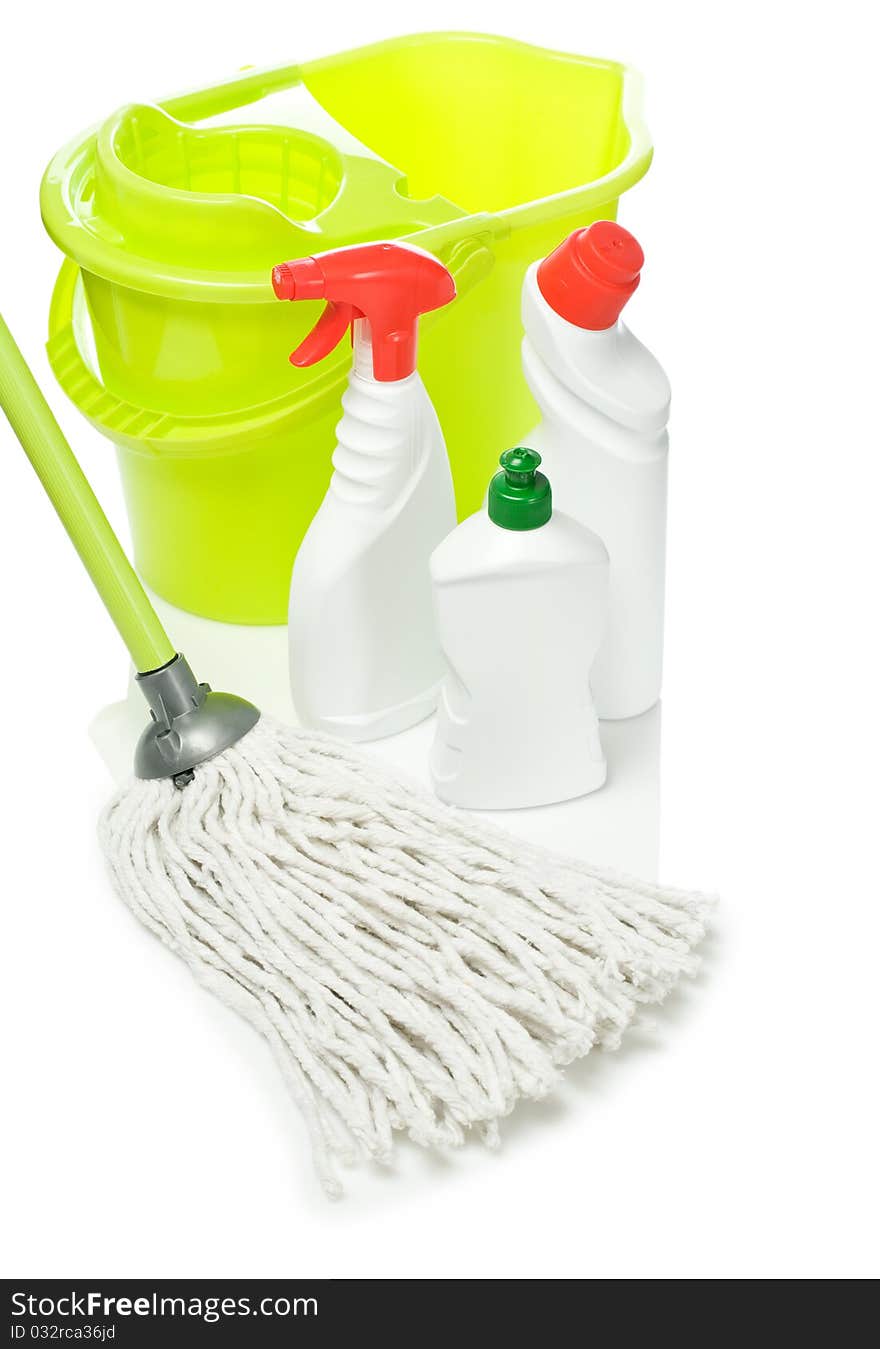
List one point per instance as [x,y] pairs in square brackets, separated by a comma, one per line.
[99,256]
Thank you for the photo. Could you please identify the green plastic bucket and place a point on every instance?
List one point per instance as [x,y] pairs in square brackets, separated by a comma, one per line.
[164,330]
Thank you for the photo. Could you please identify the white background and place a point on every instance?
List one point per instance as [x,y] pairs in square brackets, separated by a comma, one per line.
[145,1130]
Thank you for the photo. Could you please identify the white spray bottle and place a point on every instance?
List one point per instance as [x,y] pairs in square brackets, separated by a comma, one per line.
[520,597]
[605,403]
[364,657]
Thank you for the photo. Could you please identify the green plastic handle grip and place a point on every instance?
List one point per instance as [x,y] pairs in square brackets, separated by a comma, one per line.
[68,489]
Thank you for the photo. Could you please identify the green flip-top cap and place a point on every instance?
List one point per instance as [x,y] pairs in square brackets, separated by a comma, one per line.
[520,496]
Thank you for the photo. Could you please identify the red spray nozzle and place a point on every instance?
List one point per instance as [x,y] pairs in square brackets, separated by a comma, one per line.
[390,285]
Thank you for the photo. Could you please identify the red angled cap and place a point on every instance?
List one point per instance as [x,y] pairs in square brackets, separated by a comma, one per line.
[591,275]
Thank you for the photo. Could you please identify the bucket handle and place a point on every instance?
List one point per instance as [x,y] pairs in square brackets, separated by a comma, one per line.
[87,393]
[469,260]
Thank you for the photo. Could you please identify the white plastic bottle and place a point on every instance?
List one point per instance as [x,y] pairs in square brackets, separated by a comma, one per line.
[520,593]
[364,656]
[605,404]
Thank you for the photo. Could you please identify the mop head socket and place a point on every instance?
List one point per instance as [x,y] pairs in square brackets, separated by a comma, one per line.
[413,968]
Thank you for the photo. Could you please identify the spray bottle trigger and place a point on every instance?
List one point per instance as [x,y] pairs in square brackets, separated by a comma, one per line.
[331,327]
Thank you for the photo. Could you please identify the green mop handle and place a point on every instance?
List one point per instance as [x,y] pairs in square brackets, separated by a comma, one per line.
[89,529]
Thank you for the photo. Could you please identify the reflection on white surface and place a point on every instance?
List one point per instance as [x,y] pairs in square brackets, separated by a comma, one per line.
[618,826]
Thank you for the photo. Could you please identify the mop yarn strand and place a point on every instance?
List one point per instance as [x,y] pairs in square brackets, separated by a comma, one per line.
[413,968]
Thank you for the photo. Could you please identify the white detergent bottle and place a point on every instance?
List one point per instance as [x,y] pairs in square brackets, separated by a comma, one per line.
[364,657]
[605,404]
[520,597]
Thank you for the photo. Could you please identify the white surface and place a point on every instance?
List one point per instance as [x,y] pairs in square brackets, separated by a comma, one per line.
[622,821]
[145,1130]
[364,658]
[520,615]
[604,401]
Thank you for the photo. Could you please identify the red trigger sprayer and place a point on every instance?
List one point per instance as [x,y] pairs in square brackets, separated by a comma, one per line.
[364,659]
[389,285]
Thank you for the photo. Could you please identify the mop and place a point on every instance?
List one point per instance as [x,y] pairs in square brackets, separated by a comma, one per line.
[413,968]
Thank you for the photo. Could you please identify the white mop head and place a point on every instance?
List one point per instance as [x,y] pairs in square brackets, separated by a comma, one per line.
[411,967]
